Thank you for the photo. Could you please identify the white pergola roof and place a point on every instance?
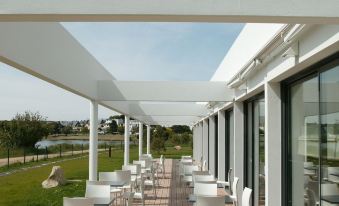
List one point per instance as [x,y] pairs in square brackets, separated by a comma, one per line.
[49,52]
[272,11]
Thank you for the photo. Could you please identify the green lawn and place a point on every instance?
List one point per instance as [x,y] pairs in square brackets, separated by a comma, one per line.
[24,187]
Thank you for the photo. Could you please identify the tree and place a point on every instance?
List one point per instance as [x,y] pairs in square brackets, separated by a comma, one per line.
[67,130]
[84,130]
[26,129]
[113,127]
[121,129]
[6,140]
[179,129]
[158,141]
[158,145]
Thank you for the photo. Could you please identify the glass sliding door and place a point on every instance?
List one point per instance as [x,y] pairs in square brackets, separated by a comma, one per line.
[304,156]
[329,119]
[228,135]
[255,149]
[312,143]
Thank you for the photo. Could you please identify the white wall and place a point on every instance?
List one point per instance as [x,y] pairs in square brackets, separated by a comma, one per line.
[252,38]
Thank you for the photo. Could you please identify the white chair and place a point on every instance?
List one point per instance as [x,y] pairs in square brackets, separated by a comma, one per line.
[135,170]
[151,181]
[140,162]
[203,178]
[78,201]
[99,191]
[228,182]
[205,189]
[111,176]
[204,166]
[246,197]
[210,201]
[186,178]
[128,198]
[125,176]
[186,157]
[234,195]
[139,193]
[162,165]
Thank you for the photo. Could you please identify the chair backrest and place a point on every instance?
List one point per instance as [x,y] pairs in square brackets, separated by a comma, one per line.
[205,189]
[98,191]
[204,166]
[310,197]
[235,186]
[210,200]
[108,176]
[246,197]
[188,169]
[94,182]
[78,201]
[203,178]
[186,157]
[200,173]
[124,175]
[135,168]
[140,162]
[186,160]
[230,179]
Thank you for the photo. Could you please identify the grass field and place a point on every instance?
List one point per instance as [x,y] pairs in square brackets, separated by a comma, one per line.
[24,187]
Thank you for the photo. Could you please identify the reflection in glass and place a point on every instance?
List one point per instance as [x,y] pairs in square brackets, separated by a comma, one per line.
[304,158]
[329,118]
[255,150]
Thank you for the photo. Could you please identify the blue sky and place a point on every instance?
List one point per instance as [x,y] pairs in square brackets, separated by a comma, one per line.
[130,51]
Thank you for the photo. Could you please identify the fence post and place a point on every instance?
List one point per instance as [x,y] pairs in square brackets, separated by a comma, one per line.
[109,151]
[60,150]
[7,157]
[121,144]
[37,154]
[105,146]
[24,155]
[46,152]
[72,149]
[82,148]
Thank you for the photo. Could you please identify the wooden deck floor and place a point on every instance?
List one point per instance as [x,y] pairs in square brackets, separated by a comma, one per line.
[169,191]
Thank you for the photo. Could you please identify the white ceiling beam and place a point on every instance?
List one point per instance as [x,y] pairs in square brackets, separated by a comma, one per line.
[159,109]
[164,91]
[267,11]
[49,52]
[168,120]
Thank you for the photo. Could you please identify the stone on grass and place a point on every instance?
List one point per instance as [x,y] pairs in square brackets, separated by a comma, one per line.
[178,147]
[55,179]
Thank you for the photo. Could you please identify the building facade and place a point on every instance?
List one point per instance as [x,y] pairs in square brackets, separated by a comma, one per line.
[280,133]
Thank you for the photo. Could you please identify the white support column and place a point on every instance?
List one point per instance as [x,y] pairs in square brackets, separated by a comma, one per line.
[239,146]
[211,149]
[93,141]
[126,151]
[140,138]
[205,139]
[201,144]
[221,146]
[148,139]
[273,156]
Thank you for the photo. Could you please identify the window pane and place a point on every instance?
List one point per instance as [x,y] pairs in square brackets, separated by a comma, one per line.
[304,143]
[329,116]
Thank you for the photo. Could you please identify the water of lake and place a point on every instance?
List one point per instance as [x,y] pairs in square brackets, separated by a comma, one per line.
[47,143]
